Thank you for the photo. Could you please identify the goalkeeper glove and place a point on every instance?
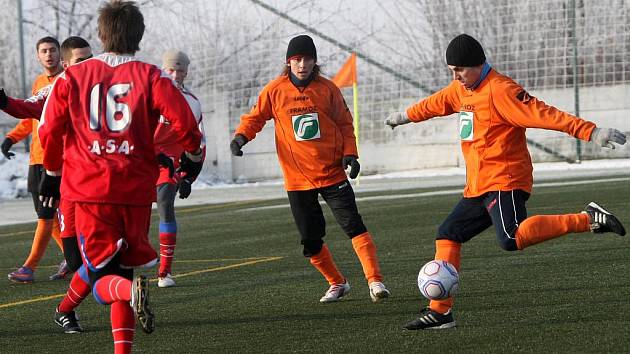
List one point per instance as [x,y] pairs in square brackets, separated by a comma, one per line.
[49,189]
[351,161]
[397,118]
[237,143]
[605,137]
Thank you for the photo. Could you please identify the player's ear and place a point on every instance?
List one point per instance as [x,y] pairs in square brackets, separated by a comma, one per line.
[65,64]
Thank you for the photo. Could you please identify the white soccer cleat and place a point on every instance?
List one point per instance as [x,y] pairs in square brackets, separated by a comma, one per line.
[166,282]
[378,291]
[336,292]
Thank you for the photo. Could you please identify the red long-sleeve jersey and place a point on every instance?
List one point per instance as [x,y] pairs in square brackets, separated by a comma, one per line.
[165,138]
[27,127]
[108,108]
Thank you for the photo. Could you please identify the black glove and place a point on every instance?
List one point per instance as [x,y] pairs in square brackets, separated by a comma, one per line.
[190,164]
[237,143]
[354,165]
[4,101]
[166,162]
[6,146]
[184,188]
[49,190]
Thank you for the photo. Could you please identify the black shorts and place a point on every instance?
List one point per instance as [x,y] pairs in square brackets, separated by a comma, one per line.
[309,217]
[505,210]
[35,174]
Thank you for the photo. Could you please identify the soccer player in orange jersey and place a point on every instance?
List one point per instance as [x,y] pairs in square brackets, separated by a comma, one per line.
[494,113]
[49,57]
[315,144]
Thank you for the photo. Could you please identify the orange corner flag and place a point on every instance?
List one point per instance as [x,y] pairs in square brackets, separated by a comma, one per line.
[347,75]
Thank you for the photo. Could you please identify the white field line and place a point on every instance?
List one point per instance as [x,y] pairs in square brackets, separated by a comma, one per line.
[449,192]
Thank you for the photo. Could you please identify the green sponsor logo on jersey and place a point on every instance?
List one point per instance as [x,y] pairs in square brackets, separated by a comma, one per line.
[306,127]
[466,126]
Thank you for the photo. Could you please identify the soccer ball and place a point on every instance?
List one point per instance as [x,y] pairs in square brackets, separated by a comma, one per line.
[438,280]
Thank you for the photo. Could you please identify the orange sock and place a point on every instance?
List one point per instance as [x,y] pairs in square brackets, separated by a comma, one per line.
[366,251]
[40,242]
[450,251]
[56,233]
[323,262]
[540,228]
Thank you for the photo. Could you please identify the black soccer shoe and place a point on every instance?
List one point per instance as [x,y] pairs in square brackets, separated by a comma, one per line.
[430,319]
[602,220]
[68,321]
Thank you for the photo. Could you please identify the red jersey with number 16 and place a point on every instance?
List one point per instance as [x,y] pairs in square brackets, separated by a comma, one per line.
[108,108]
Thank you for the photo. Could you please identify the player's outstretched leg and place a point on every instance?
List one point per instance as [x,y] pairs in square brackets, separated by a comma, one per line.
[140,303]
[601,220]
[430,319]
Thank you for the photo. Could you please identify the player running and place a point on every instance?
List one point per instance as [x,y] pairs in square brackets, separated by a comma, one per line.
[494,113]
[175,64]
[108,108]
[315,144]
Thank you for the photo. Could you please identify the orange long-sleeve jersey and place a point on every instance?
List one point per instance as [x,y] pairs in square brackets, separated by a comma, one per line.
[29,126]
[313,130]
[492,122]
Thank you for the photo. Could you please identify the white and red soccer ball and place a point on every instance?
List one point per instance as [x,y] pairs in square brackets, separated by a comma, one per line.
[438,280]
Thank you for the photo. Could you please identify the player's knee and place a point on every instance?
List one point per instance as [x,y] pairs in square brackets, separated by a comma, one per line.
[447,232]
[353,227]
[96,296]
[312,247]
[508,244]
[444,229]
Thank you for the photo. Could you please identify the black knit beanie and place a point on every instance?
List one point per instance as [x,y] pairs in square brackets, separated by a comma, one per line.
[464,51]
[301,45]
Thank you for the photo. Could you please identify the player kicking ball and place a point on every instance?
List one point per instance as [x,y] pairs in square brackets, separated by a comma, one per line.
[494,113]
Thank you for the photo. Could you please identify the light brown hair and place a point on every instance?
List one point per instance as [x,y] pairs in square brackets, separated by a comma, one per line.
[120,27]
[316,70]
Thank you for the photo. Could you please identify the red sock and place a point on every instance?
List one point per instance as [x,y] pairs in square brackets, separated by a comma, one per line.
[123,326]
[77,291]
[168,236]
[112,288]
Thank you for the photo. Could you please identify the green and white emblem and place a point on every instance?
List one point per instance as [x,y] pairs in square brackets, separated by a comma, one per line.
[306,126]
[466,126]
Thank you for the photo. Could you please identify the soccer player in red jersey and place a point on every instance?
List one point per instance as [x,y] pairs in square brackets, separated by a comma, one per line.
[175,64]
[108,108]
